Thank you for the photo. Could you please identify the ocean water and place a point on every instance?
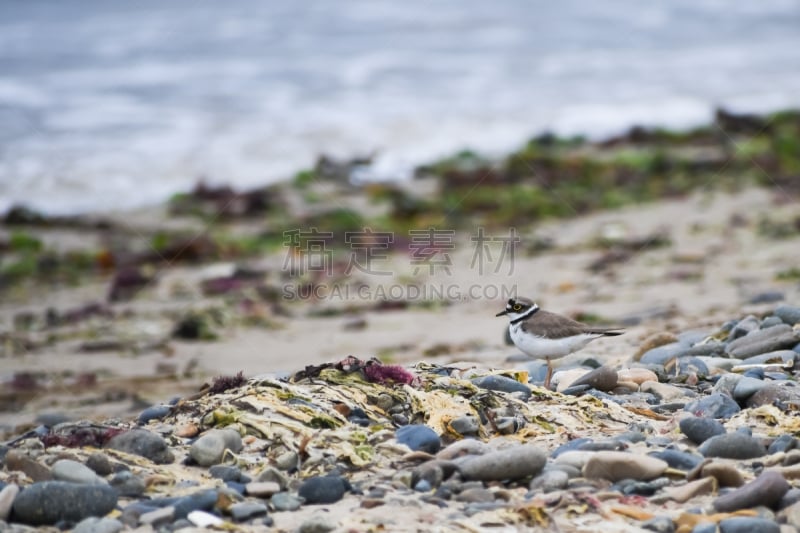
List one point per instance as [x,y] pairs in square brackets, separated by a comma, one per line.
[113,105]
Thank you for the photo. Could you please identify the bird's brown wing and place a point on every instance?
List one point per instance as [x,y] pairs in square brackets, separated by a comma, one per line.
[555,326]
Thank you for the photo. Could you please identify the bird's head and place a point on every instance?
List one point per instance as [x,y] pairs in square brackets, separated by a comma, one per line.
[517,307]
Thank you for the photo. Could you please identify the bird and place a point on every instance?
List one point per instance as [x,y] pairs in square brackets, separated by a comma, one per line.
[544,335]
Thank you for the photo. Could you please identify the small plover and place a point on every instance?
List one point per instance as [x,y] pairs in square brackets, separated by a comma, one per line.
[544,335]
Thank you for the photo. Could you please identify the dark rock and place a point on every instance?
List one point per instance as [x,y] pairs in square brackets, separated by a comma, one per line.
[744,327]
[604,379]
[156,412]
[500,383]
[514,462]
[100,464]
[733,446]
[323,489]
[748,524]
[419,437]
[699,430]
[465,425]
[50,502]
[144,443]
[643,488]
[767,489]
[678,459]
[692,365]
[766,297]
[713,406]
[784,443]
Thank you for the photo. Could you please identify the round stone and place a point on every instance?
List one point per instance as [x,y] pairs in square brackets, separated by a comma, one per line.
[49,502]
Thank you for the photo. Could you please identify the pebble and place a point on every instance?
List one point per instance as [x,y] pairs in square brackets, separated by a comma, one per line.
[285,501]
[274,475]
[763,341]
[550,480]
[203,519]
[158,517]
[746,387]
[126,483]
[323,489]
[659,524]
[767,490]
[7,495]
[514,462]
[699,429]
[713,406]
[666,392]
[775,357]
[203,500]
[49,502]
[156,412]
[465,425]
[144,443]
[784,443]
[262,489]
[210,448]
[773,393]
[788,314]
[225,472]
[500,383]
[616,466]
[726,475]
[94,524]
[69,470]
[475,494]
[317,523]
[748,524]
[16,460]
[663,354]
[604,379]
[242,511]
[733,446]
[678,459]
[100,464]
[637,375]
[419,437]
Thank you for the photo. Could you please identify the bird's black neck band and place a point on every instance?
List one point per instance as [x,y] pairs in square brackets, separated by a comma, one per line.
[529,313]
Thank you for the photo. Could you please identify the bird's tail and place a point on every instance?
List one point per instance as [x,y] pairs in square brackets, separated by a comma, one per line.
[608,332]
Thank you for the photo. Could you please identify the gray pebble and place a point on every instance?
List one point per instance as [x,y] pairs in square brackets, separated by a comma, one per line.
[49,502]
[771,321]
[550,480]
[98,525]
[155,412]
[285,501]
[726,384]
[242,511]
[126,483]
[158,517]
[144,443]
[210,448]
[766,297]
[678,459]
[763,341]
[733,446]
[323,489]
[777,356]
[262,489]
[274,475]
[788,313]
[748,524]
[713,406]
[419,437]
[744,327]
[746,387]
[465,425]
[287,460]
[225,472]
[514,462]
[784,443]
[317,523]
[767,489]
[69,470]
[699,429]
[663,354]
[775,392]
[500,383]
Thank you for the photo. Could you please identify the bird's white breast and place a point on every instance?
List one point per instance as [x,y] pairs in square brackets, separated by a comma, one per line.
[542,347]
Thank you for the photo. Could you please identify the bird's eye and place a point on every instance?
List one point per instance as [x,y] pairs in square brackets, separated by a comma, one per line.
[517,307]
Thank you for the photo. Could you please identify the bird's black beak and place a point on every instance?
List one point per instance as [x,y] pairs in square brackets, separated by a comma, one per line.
[503,312]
